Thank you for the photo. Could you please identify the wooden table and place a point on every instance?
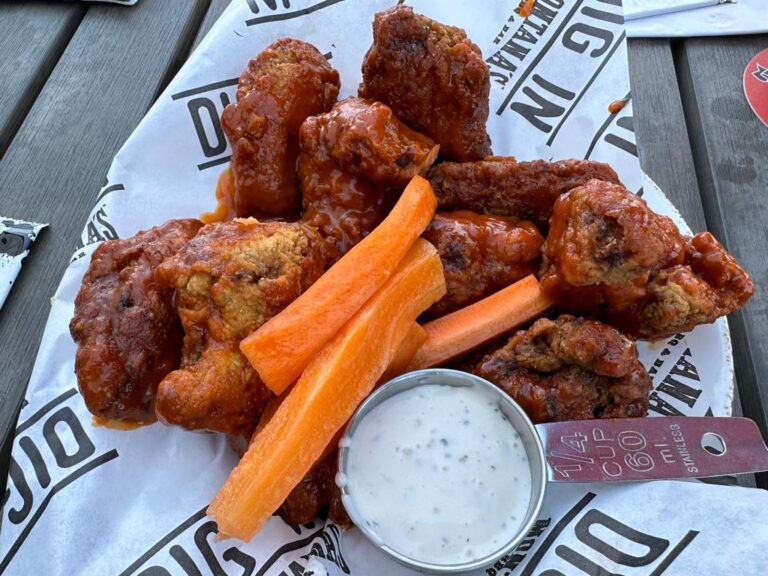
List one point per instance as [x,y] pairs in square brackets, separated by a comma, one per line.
[76,79]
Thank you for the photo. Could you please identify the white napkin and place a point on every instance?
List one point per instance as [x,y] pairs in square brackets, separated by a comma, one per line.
[739,17]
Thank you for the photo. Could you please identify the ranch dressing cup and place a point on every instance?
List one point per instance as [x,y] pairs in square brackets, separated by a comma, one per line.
[445,472]
[443,493]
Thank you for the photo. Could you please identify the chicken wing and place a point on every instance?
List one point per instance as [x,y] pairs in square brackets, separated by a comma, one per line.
[229,280]
[316,495]
[281,87]
[126,329]
[481,254]
[570,369]
[609,254]
[433,78]
[505,187]
[353,162]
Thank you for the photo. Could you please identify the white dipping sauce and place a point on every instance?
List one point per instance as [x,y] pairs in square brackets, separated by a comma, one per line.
[439,474]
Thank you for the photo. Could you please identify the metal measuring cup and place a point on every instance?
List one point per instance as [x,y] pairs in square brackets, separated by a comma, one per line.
[610,450]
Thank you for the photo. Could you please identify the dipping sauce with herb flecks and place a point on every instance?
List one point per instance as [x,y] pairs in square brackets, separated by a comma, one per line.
[438,474]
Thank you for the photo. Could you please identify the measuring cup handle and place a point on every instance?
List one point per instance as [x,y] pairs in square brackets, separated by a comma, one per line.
[671,447]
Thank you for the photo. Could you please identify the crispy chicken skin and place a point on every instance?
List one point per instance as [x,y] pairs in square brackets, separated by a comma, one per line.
[367,139]
[229,280]
[570,369]
[127,332]
[481,254]
[709,284]
[433,78]
[281,87]
[609,254]
[503,186]
[352,163]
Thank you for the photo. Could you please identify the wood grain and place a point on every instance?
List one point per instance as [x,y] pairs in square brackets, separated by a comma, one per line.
[97,93]
[663,144]
[730,149]
[665,151]
[33,37]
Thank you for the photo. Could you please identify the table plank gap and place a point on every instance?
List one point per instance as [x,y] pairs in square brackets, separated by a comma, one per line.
[97,93]
[729,145]
[184,45]
[215,10]
[665,154]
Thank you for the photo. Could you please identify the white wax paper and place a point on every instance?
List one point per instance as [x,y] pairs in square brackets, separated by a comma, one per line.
[90,500]
[740,17]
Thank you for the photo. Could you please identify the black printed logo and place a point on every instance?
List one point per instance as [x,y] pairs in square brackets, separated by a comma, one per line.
[761,73]
[275,11]
[97,227]
[513,560]
[189,549]
[617,131]
[515,47]
[205,105]
[54,443]
[543,99]
[601,544]
[681,387]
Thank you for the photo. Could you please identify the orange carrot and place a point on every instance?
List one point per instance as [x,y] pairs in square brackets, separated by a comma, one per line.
[282,347]
[455,334]
[334,383]
[414,339]
[269,410]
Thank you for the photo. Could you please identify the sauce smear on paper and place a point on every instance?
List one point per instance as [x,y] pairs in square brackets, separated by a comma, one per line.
[225,198]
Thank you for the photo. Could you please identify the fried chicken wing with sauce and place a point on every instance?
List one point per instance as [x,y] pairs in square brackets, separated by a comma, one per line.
[709,284]
[570,369]
[433,78]
[505,187]
[229,280]
[481,254]
[125,326]
[353,161]
[609,254]
[316,495]
[366,139]
[286,83]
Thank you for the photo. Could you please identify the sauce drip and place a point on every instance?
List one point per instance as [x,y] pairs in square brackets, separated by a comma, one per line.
[617,105]
[119,424]
[438,474]
[526,8]
[225,199]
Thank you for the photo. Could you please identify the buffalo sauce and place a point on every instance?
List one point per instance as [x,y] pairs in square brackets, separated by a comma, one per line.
[225,199]
[617,105]
[119,424]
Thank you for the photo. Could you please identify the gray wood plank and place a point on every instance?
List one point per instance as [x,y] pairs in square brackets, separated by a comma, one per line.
[665,151]
[33,37]
[663,143]
[215,10]
[730,148]
[98,92]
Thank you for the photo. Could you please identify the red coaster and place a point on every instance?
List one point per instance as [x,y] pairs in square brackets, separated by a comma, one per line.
[756,85]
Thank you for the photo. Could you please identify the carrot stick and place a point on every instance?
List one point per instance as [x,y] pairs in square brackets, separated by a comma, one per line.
[282,347]
[334,383]
[269,410]
[414,339]
[455,334]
